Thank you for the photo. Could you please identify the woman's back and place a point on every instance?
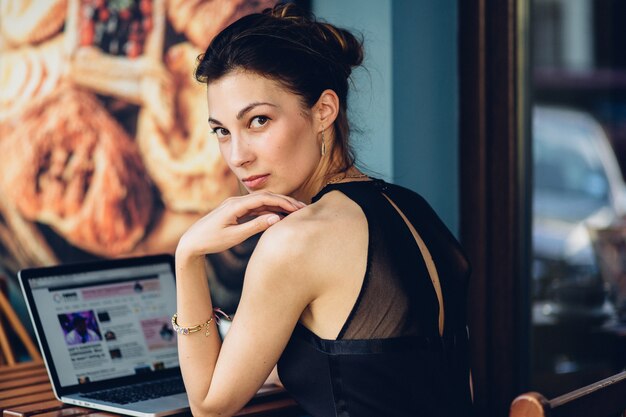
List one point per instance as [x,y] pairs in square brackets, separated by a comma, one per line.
[397,353]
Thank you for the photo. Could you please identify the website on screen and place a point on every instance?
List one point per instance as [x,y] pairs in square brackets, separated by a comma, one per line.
[107,324]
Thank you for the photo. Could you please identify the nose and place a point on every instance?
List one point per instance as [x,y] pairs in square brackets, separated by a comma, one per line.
[240,152]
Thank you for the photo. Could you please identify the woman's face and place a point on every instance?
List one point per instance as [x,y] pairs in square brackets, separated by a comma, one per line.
[265,135]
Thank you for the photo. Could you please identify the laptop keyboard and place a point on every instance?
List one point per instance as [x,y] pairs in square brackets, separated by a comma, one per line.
[139,392]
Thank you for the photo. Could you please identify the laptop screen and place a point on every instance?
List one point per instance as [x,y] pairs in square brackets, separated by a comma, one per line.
[107,323]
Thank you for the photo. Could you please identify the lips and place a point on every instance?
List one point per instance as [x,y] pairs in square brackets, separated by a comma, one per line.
[255,181]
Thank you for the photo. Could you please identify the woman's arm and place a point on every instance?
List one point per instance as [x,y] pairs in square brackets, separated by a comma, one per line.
[221,379]
[194,307]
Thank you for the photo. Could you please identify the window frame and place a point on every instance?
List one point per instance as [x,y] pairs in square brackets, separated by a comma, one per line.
[496,194]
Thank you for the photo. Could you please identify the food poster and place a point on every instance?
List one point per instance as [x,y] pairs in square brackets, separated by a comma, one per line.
[104,144]
[104,140]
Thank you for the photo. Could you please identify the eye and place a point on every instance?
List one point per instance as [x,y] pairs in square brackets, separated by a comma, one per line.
[259,121]
[220,132]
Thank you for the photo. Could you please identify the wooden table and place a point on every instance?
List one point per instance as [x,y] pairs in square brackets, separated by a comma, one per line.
[25,391]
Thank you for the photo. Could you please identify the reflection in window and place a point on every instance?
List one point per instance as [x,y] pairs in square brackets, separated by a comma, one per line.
[579,143]
[566,156]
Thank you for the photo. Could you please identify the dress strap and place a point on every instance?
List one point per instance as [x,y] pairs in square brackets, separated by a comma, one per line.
[378,183]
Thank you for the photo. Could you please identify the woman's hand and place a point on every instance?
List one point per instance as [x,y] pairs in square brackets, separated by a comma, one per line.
[235,220]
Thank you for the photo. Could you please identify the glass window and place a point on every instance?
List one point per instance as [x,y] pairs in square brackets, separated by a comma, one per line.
[579,235]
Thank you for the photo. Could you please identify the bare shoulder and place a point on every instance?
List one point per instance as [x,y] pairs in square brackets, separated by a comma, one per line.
[313,239]
[314,226]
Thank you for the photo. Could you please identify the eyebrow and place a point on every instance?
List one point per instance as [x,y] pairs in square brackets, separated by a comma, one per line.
[243,111]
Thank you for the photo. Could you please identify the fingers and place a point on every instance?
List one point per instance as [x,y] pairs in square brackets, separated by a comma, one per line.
[267,210]
[236,220]
[284,201]
[265,201]
[256,212]
[257,225]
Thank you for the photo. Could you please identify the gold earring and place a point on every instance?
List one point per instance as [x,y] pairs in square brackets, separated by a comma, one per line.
[323,144]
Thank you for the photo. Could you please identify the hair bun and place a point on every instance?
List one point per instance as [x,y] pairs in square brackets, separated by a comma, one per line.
[289,11]
[345,48]
[349,48]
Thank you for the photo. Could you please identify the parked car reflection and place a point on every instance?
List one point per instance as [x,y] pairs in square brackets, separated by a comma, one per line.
[577,185]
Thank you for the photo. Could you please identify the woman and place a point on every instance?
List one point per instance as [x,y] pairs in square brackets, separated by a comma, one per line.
[347,285]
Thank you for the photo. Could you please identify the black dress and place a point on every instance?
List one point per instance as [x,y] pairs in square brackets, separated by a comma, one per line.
[389,359]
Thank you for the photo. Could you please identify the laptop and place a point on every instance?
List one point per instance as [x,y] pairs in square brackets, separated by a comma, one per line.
[106,336]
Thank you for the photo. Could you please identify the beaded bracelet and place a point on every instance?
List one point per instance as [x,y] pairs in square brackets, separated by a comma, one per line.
[188,330]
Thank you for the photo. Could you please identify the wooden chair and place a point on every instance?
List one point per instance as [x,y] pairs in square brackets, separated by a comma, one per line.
[10,318]
[606,398]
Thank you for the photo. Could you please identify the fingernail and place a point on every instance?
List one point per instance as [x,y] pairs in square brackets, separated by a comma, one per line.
[302,204]
[273,219]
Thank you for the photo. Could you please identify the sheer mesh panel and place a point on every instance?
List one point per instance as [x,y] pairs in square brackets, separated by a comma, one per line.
[397,298]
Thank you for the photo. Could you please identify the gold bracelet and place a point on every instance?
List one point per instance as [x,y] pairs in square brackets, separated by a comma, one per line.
[192,329]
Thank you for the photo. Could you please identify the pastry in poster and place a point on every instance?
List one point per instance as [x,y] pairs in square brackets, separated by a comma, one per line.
[30,21]
[185,162]
[201,20]
[30,73]
[75,169]
[116,49]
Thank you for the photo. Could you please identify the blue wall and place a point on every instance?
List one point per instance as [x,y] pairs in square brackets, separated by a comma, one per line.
[425,98]
[370,99]
[405,103]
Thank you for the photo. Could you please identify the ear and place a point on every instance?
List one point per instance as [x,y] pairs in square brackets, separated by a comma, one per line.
[326,109]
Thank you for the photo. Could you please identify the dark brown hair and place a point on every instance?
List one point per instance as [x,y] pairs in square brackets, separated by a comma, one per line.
[286,45]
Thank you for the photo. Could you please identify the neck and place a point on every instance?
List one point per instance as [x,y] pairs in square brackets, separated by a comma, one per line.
[329,167]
